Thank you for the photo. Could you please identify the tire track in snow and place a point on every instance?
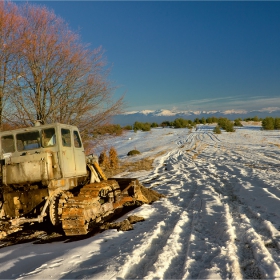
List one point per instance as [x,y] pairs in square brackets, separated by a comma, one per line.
[253,234]
[170,261]
[253,265]
[173,227]
[239,241]
[143,259]
[174,234]
[178,265]
[200,261]
[256,260]
[213,137]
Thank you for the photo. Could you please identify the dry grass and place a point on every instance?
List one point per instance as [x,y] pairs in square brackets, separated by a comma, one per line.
[192,148]
[275,144]
[194,156]
[104,160]
[203,147]
[251,123]
[199,150]
[113,158]
[128,166]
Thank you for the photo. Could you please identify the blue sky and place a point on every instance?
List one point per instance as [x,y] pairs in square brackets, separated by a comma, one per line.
[184,55]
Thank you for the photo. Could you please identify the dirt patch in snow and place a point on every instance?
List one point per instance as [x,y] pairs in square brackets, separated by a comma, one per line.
[124,225]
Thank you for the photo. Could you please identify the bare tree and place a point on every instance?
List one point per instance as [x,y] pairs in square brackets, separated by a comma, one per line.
[9,25]
[58,79]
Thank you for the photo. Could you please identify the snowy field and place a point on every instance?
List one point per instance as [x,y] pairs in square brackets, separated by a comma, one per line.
[220,218]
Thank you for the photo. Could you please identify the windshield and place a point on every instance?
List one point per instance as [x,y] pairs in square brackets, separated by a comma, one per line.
[28,141]
[36,139]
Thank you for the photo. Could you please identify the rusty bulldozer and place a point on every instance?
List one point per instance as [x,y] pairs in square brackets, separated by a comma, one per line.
[45,174]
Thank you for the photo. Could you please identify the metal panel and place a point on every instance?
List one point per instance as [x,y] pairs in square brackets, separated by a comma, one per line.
[28,169]
[67,154]
[25,172]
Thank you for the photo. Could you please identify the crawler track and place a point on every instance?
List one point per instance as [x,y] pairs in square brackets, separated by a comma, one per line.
[95,203]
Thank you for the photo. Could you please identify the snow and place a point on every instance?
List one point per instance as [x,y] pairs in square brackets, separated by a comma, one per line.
[220,218]
[227,112]
[164,112]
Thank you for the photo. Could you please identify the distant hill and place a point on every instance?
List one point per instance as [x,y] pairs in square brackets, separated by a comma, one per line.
[159,116]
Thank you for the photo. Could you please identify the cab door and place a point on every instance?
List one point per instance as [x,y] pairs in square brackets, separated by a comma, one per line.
[79,152]
[67,153]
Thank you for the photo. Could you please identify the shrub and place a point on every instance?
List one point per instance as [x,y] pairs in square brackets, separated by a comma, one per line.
[237,122]
[226,124]
[277,123]
[182,123]
[146,127]
[179,123]
[255,119]
[127,127]
[212,120]
[217,130]
[133,152]
[229,127]
[104,160]
[142,126]
[113,158]
[165,123]
[113,129]
[247,119]
[268,123]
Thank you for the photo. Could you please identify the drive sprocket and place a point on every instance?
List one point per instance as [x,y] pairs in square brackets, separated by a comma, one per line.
[57,202]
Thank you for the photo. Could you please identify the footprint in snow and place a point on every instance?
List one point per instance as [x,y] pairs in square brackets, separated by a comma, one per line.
[76,256]
[75,259]
[56,263]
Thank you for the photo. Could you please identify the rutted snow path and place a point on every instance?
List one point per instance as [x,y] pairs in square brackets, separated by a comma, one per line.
[214,233]
[220,218]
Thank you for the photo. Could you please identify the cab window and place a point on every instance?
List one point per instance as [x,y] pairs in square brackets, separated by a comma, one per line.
[28,141]
[66,137]
[77,140]
[7,144]
[48,137]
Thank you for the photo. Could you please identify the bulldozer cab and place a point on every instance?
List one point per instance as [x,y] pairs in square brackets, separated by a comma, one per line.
[41,153]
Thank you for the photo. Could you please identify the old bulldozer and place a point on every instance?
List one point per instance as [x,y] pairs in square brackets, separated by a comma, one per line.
[45,174]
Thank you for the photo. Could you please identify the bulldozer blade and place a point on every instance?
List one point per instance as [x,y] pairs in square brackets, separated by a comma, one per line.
[131,187]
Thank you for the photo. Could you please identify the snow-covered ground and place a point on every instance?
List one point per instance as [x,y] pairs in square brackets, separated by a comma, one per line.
[220,218]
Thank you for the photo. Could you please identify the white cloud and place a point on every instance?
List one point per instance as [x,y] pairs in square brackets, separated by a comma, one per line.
[236,103]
